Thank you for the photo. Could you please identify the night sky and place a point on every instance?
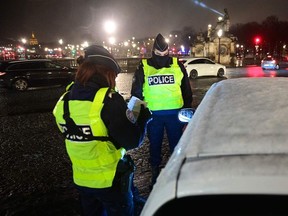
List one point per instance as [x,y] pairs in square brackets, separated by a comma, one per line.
[79,20]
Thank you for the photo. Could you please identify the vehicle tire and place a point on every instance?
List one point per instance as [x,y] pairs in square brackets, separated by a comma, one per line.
[220,72]
[193,74]
[20,84]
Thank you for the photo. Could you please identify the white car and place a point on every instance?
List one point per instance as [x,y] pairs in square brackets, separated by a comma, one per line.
[233,156]
[202,67]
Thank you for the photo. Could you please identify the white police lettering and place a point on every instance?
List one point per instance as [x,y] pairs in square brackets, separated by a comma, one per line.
[86,129]
[161,79]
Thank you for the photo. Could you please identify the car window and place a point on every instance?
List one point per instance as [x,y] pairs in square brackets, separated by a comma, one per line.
[3,65]
[52,65]
[268,59]
[197,61]
[25,66]
[207,61]
[36,65]
[66,62]
[16,67]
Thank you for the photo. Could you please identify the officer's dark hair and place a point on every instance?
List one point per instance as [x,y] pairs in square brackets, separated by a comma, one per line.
[80,60]
[91,72]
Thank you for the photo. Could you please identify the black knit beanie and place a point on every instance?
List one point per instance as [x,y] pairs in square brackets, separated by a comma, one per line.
[160,43]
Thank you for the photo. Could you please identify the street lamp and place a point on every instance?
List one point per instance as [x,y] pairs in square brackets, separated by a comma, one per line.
[24,41]
[219,33]
[110,29]
[257,41]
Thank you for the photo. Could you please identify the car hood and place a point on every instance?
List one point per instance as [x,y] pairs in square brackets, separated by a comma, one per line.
[240,116]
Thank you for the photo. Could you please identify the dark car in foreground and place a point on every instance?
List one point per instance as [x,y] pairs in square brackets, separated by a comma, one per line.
[232,158]
[22,74]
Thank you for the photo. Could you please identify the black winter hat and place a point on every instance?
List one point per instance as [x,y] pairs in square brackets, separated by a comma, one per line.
[100,55]
[160,43]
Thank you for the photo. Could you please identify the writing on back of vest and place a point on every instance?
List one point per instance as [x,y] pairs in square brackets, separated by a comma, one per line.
[86,130]
[161,79]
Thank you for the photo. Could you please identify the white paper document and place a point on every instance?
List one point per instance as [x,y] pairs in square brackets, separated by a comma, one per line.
[134,105]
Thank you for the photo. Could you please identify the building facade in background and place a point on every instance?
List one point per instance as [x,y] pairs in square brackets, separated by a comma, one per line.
[218,45]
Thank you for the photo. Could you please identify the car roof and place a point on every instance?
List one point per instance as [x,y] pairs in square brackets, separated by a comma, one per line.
[252,111]
[29,60]
[193,58]
[237,142]
[186,60]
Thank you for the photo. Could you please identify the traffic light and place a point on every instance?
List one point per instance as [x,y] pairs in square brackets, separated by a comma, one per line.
[257,40]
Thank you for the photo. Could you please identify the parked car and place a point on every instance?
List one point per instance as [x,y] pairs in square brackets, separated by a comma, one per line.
[22,74]
[274,63]
[202,67]
[232,159]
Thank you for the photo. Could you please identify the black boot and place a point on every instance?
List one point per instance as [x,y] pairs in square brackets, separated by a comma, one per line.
[155,172]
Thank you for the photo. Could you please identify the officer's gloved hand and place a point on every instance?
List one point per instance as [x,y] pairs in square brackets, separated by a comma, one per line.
[144,117]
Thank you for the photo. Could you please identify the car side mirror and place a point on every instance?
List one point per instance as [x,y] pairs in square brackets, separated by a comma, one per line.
[186,114]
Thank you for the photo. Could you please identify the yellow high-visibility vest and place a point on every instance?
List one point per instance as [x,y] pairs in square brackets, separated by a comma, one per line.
[94,162]
[162,87]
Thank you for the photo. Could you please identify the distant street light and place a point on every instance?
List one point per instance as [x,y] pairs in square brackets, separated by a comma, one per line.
[60,41]
[85,44]
[23,40]
[110,27]
[112,41]
[219,33]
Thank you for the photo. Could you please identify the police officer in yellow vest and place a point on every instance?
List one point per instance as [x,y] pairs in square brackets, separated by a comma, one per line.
[162,82]
[99,129]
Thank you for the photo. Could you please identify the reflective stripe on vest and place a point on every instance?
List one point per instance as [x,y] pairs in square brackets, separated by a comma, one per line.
[162,87]
[94,162]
